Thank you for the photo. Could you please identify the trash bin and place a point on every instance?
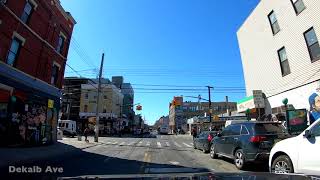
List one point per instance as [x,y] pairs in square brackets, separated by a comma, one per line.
[59,134]
[79,137]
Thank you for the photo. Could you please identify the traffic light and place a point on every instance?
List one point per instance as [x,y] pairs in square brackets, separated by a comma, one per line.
[139,108]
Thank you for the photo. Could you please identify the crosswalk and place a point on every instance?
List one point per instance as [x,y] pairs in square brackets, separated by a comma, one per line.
[159,144]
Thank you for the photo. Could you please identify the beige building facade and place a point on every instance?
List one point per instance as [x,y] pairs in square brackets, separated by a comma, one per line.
[111,99]
[280,51]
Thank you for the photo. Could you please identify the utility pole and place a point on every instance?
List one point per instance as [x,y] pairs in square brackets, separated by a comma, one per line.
[96,137]
[210,110]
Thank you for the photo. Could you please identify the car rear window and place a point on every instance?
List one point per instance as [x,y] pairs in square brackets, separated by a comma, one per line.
[268,128]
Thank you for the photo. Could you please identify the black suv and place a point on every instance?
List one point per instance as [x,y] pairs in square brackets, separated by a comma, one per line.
[247,141]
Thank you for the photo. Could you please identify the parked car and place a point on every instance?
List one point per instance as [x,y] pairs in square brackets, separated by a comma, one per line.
[298,154]
[203,140]
[68,127]
[247,142]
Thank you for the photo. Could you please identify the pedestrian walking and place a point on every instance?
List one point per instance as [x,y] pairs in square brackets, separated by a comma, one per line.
[194,133]
[86,132]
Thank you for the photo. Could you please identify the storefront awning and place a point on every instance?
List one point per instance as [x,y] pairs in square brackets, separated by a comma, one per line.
[13,77]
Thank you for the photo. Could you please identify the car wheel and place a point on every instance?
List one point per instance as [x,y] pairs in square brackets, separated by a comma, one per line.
[239,159]
[213,154]
[282,165]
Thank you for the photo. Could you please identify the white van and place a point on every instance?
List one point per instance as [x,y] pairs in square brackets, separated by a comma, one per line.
[68,127]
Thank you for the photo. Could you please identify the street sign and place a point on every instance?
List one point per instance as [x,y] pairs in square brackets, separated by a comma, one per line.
[50,103]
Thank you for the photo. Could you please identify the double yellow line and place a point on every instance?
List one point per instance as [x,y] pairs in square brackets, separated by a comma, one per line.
[146,161]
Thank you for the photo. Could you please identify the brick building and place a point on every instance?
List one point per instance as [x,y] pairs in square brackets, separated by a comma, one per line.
[34,41]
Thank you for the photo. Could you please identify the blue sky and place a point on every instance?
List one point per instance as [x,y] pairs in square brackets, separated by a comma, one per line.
[161,42]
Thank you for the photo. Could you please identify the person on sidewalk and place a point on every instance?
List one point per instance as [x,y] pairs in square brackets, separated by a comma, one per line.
[194,133]
[86,132]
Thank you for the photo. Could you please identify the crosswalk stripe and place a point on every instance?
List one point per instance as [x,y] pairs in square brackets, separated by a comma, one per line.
[191,144]
[114,143]
[122,143]
[148,143]
[186,144]
[159,144]
[175,143]
[167,144]
[131,143]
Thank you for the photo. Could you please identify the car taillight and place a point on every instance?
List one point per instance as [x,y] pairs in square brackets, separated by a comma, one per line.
[210,137]
[257,139]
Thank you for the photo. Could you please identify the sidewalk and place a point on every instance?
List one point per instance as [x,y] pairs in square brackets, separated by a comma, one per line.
[10,156]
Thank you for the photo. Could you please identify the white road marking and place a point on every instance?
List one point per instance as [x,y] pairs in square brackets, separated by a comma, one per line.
[174,162]
[175,143]
[114,143]
[159,144]
[191,144]
[140,142]
[186,144]
[148,143]
[167,144]
[108,142]
[130,144]
[121,144]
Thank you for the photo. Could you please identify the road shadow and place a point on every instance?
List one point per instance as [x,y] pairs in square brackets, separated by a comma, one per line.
[252,166]
[76,162]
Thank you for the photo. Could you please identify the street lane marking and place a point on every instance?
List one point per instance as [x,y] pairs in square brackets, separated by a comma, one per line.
[121,144]
[177,144]
[167,144]
[148,143]
[174,162]
[191,144]
[186,144]
[130,144]
[159,144]
[114,143]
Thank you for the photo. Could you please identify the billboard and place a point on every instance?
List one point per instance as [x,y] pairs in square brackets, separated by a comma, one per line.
[297,121]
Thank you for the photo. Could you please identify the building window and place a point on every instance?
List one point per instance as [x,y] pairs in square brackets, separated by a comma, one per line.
[298,6]
[284,63]
[104,97]
[313,44]
[60,43]
[27,11]
[14,51]
[85,108]
[94,97]
[274,23]
[86,96]
[55,74]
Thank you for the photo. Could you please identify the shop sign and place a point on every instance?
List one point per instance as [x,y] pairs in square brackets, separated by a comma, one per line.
[297,121]
[50,103]
[251,102]
[246,103]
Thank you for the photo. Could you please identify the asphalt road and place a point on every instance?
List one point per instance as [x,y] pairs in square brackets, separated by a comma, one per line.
[157,154]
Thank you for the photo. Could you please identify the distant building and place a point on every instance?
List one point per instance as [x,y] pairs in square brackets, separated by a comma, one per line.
[128,100]
[280,52]
[71,96]
[110,103]
[182,111]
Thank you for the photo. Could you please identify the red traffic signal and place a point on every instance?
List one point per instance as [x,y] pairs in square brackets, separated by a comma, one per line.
[139,108]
